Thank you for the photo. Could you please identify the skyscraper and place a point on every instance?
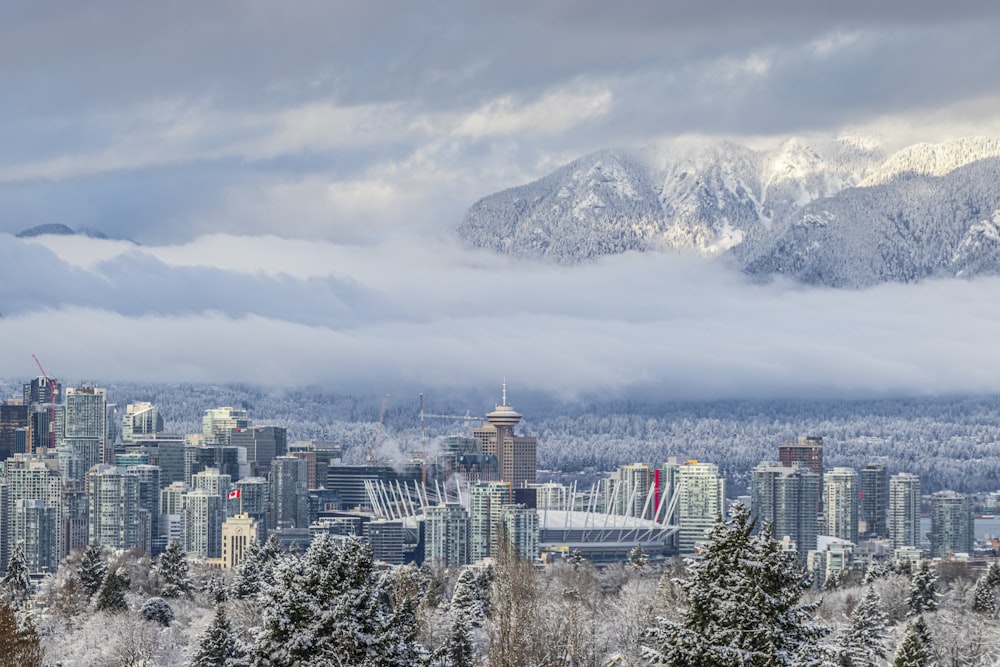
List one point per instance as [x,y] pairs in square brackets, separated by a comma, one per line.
[952,526]
[840,507]
[808,451]
[486,500]
[202,523]
[141,419]
[630,488]
[13,420]
[786,497]
[701,500]
[114,508]
[904,510]
[288,492]
[262,444]
[149,500]
[875,500]
[446,535]
[516,455]
[217,423]
[32,479]
[85,425]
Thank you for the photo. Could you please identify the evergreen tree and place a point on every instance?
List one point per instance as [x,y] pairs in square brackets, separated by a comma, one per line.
[93,569]
[172,567]
[458,649]
[993,575]
[249,574]
[111,596]
[157,610]
[637,557]
[923,590]
[916,649]
[16,584]
[330,607]
[20,645]
[576,559]
[467,598]
[743,606]
[984,600]
[864,643]
[219,646]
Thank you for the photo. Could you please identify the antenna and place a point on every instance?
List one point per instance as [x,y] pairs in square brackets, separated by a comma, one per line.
[503,400]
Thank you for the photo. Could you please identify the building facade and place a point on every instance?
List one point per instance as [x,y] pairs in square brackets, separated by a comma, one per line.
[786,497]
[904,510]
[701,500]
[840,504]
[952,524]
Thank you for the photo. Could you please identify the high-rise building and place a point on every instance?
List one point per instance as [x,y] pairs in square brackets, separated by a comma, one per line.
[786,497]
[701,500]
[85,425]
[252,499]
[228,459]
[840,505]
[486,502]
[76,515]
[446,535]
[386,540]
[288,493]
[875,500]
[262,443]
[516,455]
[140,420]
[30,478]
[217,423]
[521,528]
[13,426]
[238,532]
[952,526]
[807,450]
[904,510]
[114,508]
[630,491]
[149,500]
[203,515]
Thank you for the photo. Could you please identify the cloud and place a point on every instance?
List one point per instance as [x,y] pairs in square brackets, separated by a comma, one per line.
[422,315]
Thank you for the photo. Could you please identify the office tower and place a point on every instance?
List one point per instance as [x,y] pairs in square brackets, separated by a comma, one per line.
[29,478]
[114,508]
[165,451]
[149,500]
[516,455]
[229,460]
[521,529]
[446,535]
[952,527]
[386,540]
[288,491]
[262,443]
[875,500]
[630,490]
[840,504]
[140,420]
[238,533]
[786,498]
[701,500]
[217,423]
[35,528]
[808,451]
[486,500]
[85,426]
[39,392]
[203,515]
[252,499]
[78,455]
[213,482]
[13,426]
[904,510]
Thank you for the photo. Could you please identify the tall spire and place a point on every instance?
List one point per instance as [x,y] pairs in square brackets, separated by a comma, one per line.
[503,400]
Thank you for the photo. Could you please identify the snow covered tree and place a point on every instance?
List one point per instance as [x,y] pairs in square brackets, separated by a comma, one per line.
[111,596]
[458,649]
[743,606]
[923,590]
[173,569]
[16,585]
[637,557]
[330,607]
[219,646]
[19,643]
[864,642]
[93,569]
[993,575]
[916,649]
[467,598]
[157,610]
[984,601]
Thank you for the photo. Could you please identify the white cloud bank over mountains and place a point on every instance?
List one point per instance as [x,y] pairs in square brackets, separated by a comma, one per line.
[431,314]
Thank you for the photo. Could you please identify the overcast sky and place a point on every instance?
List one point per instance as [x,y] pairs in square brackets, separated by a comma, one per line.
[294,172]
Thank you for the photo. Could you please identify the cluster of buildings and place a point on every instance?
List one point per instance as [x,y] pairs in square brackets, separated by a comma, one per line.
[71,474]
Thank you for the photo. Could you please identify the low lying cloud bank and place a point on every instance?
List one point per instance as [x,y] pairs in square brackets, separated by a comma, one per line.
[430,314]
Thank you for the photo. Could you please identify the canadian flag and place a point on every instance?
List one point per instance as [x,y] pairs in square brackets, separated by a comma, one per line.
[233,495]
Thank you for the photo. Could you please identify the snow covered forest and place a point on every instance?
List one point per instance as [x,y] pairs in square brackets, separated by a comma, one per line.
[949,442]
[746,602]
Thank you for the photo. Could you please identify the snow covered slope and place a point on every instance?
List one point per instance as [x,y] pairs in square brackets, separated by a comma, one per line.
[839,213]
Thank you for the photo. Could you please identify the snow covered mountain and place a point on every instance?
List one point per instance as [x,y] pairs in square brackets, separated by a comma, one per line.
[839,213]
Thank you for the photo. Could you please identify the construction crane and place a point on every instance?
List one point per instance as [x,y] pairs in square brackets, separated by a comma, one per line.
[370,456]
[53,387]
